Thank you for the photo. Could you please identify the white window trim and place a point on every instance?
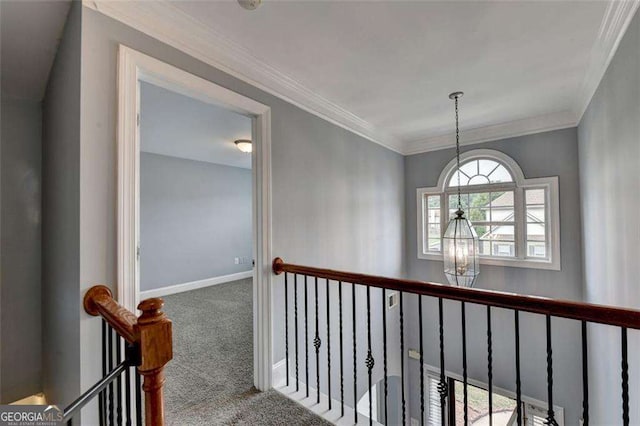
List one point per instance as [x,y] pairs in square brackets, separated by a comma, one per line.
[552,223]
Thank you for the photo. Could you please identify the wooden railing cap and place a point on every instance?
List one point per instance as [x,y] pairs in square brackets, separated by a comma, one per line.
[92,295]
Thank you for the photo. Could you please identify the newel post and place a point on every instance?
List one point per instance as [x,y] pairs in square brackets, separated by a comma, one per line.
[156,350]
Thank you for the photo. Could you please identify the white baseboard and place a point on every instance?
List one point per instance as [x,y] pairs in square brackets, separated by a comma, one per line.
[194,285]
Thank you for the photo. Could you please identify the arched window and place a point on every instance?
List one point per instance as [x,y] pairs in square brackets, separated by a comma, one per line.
[516,219]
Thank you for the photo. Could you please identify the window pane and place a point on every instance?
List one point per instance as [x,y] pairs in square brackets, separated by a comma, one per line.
[536,232]
[482,231]
[434,230]
[487,166]
[484,248]
[478,406]
[502,199]
[433,201]
[503,249]
[433,244]
[470,169]
[479,180]
[535,196]
[502,233]
[535,214]
[480,199]
[478,215]
[501,174]
[536,249]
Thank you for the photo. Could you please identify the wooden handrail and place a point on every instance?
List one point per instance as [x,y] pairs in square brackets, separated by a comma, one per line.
[98,301]
[152,333]
[540,305]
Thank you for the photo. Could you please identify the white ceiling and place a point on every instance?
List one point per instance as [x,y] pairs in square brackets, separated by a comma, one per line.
[384,68]
[30,33]
[179,126]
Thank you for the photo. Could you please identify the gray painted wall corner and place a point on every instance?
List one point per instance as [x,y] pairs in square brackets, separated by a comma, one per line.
[61,219]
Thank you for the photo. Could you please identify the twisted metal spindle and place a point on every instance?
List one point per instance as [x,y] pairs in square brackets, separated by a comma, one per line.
[355,360]
[625,378]
[384,355]
[317,343]
[421,360]
[442,386]
[286,325]
[518,383]
[585,376]
[370,362]
[295,324]
[306,337]
[404,402]
[490,365]
[328,347]
[464,364]
[551,420]
[341,351]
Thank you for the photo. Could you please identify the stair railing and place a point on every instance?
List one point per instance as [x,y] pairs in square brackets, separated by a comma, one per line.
[585,313]
[147,342]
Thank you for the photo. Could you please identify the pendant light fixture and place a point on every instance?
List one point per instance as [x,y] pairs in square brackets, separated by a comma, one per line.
[460,241]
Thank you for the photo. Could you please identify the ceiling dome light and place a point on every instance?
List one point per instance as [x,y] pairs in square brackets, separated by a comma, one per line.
[250,4]
[460,241]
[244,145]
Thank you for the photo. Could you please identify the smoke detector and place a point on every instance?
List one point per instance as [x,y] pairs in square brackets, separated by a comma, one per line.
[250,4]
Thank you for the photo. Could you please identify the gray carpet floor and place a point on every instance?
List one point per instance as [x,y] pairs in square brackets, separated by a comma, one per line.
[210,379]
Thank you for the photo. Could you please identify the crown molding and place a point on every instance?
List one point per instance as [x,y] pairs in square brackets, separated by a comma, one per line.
[170,25]
[615,21]
[163,21]
[511,129]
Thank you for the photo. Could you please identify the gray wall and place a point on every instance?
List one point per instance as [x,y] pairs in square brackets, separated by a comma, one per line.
[195,218]
[539,155]
[338,200]
[61,303]
[20,268]
[609,136]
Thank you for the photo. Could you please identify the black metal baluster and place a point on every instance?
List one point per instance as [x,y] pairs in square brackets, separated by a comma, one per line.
[464,363]
[442,386]
[384,354]
[119,381]
[355,360]
[585,376]
[551,420]
[111,365]
[306,336]
[625,379]
[341,351]
[317,343]
[102,398]
[404,401]
[295,325]
[328,348]
[421,360]
[286,325]
[518,384]
[138,398]
[490,365]
[370,362]
[127,395]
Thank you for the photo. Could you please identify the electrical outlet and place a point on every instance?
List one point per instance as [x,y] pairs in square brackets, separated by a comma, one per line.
[415,354]
[414,422]
[392,300]
[236,260]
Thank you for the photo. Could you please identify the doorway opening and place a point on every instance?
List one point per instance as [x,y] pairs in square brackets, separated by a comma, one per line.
[194,212]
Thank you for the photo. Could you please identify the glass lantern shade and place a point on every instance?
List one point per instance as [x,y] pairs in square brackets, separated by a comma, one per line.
[460,249]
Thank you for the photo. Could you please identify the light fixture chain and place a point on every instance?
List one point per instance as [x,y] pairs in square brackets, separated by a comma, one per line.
[458,154]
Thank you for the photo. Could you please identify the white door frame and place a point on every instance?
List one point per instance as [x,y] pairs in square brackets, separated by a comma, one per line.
[133,67]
